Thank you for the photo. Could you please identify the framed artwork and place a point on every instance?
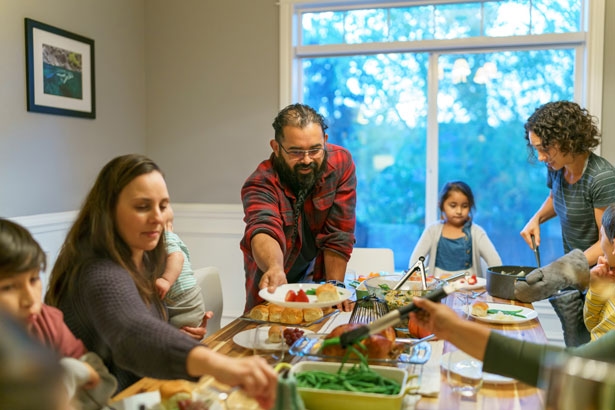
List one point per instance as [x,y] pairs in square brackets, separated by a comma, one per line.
[59,71]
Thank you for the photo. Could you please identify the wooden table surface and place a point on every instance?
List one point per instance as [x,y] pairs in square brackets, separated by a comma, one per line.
[491,396]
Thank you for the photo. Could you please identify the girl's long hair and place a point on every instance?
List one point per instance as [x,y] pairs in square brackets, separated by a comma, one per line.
[94,235]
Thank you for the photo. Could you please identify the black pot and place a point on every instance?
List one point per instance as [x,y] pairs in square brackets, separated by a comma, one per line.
[501,280]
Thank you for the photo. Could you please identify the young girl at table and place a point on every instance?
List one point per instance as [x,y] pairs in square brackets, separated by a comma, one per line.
[21,296]
[103,281]
[177,286]
[599,307]
[455,244]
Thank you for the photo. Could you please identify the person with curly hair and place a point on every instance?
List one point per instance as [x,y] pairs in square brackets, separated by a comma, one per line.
[563,135]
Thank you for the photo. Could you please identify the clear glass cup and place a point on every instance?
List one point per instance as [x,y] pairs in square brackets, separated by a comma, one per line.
[264,346]
[464,373]
[462,303]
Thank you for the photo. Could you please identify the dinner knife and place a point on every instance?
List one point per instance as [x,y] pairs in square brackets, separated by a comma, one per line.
[392,318]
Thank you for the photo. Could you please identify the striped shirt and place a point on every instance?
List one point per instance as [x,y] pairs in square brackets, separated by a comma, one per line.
[186,280]
[599,309]
[574,204]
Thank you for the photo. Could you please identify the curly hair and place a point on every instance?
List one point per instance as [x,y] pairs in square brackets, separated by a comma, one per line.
[297,115]
[564,125]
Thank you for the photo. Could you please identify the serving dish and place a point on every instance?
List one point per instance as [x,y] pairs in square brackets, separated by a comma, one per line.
[302,324]
[309,345]
[501,280]
[278,296]
[322,399]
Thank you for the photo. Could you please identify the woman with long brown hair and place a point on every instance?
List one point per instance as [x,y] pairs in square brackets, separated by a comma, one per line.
[103,281]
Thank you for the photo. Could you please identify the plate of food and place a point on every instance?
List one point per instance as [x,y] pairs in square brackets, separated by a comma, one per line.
[274,336]
[489,378]
[306,295]
[471,283]
[501,313]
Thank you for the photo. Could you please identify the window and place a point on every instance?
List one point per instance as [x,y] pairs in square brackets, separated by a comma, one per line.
[424,92]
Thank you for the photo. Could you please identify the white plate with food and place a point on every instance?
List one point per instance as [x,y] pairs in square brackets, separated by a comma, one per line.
[501,313]
[463,283]
[245,339]
[317,295]
[489,378]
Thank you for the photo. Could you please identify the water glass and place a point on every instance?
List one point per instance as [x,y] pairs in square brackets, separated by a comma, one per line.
[462,303]
[464,373]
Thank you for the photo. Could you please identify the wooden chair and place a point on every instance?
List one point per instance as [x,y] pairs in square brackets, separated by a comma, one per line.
[366,260]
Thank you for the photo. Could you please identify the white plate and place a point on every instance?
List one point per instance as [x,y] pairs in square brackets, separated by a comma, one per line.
[246,338]
[487,377]
[278,296]
[492,318]
[480,283]
[150,401]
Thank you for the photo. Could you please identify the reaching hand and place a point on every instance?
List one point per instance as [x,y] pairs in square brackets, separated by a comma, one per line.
[272,279]
[532,228]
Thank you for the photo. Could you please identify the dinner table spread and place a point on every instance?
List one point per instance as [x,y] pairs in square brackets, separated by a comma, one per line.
[432,391]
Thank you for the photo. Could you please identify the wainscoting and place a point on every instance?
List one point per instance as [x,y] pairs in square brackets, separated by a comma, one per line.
[212,233]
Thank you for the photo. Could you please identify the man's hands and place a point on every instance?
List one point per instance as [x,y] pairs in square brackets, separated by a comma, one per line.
[272,279]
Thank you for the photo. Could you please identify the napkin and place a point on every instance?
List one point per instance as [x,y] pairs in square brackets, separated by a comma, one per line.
[430,376]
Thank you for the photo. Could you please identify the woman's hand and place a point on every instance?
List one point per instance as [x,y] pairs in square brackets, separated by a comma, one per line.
[532,228]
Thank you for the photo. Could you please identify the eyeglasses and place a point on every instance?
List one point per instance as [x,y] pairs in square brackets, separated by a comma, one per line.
[298,154]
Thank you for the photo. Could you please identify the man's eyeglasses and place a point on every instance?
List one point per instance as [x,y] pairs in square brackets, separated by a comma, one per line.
[298,154]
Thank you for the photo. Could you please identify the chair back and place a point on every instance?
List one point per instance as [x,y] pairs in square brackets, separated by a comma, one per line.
[208,278]
[366,260]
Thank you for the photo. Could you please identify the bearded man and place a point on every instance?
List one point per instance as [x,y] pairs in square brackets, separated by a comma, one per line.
[299,208]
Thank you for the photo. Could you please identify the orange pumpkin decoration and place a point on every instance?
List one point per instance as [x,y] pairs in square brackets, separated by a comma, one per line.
[416,330]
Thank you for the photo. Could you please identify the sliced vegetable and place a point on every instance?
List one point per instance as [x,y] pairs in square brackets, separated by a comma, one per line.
[506,312]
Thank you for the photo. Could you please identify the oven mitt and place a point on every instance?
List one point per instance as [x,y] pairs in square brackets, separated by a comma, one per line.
[568,305]
[570,270]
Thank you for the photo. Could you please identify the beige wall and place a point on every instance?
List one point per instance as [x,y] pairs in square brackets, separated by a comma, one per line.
[192,83]
[47,162]
[212,69]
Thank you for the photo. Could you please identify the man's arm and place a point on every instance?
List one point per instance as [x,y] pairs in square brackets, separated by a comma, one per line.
[269,259]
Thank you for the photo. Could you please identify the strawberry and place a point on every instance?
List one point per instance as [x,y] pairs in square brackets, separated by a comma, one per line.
[302,296]
[472,280]
[291,296]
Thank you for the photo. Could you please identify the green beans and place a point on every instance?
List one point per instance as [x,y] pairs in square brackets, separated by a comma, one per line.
[359,378]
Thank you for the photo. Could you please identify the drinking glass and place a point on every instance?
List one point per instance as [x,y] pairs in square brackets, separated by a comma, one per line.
[464,373]
[462,303]
[273,352]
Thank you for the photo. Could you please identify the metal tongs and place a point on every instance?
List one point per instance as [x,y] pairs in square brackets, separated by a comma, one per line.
[536,251]
[390,319]
[417,266]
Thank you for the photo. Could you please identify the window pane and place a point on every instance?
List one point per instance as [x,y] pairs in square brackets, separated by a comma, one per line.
[458,21]
[411,23]
[322,28]
[376,106]
[556,16]
[507,18]
[481,139]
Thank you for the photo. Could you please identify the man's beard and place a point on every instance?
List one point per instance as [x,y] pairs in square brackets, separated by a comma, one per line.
[298,182]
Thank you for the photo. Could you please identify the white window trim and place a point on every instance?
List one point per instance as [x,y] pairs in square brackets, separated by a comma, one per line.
[594,60]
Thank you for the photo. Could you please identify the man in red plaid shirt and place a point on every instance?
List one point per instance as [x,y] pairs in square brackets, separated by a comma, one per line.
[299,208]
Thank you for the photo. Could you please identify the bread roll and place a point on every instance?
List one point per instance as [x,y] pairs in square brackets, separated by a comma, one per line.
[275,313]
[292,316]
[259,312]
[275,334]
[327,293]
[480,309]
[173,391]
[312,314]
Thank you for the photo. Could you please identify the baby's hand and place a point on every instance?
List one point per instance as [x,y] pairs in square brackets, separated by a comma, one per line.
[602,271]
[163,286]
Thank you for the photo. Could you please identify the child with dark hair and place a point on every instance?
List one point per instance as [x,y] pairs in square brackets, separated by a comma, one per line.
[21,296]
[599,308]
[454,244]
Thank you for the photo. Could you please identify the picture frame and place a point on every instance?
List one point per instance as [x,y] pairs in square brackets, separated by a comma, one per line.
[59,71]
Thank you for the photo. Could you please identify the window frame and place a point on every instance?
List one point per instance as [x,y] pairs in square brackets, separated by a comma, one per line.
[589,70]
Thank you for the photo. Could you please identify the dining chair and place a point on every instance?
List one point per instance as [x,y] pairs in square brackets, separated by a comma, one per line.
[208,278]
[366,260]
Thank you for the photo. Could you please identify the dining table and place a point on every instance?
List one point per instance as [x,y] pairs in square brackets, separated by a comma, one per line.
[507,395]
